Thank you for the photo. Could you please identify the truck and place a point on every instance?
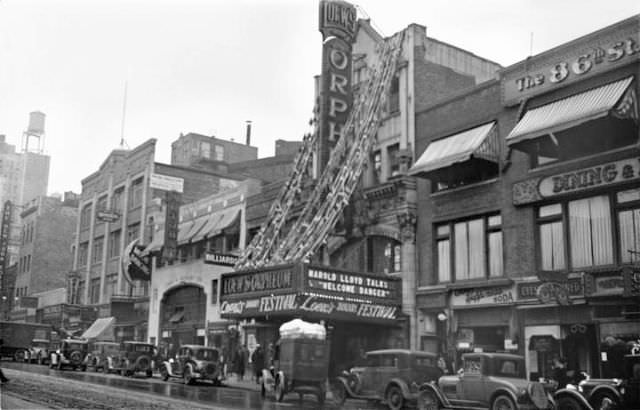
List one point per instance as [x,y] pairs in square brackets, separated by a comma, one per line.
[18,337]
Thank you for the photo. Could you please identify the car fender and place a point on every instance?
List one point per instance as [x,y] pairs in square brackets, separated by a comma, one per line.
[605,388]
[432,387]
[575,395]
[503,391]
[167,365]
[347,388]
[400,383]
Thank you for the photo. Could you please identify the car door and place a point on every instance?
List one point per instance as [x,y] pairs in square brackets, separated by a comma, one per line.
[471,386]
[387,369]
[368,375]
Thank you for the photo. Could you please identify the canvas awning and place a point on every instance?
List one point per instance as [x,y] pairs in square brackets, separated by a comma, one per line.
[184,230]
[572,111]
[481,142]
[99,328]
[216,223]
[197,226]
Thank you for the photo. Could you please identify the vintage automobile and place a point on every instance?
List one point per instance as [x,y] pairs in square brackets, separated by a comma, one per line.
[194,363]
[38,351]
[70,353]
[493,381]
[103,356]
[134,357]
[389,375]
[608,394]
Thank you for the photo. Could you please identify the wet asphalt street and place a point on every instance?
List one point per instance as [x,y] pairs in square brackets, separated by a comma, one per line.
[196,396]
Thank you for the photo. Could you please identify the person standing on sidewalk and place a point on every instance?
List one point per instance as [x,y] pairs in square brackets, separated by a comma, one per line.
[241,358]
[257,358]
[3,378]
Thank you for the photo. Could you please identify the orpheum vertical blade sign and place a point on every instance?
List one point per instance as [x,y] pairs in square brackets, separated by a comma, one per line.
[338,27]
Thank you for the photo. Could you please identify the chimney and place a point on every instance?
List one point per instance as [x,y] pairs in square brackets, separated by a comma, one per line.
[248,132]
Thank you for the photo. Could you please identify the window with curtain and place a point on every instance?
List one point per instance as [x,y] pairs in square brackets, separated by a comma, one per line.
[551,237]
[470,249]
[384,255]
[629,225]
[590,232]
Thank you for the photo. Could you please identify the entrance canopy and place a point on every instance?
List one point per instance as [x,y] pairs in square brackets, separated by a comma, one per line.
[573,111]
[480,142]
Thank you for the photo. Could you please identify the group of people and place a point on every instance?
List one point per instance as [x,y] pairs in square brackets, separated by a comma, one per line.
[259,360]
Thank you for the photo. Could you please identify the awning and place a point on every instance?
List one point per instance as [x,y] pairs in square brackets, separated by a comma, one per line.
[572,111]
[99,328]
[196,228]
[216,223]
[481,142]
[176,317]
[183,231]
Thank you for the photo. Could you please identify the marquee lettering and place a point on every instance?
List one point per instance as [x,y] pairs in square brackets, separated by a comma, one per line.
[277,303]
[232,307]
[310,305]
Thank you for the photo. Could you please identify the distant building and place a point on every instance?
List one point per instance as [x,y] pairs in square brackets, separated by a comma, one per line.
[287,147]
[191,148]
[45,246]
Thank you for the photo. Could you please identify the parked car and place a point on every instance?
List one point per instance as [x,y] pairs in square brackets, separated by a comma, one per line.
[194,363]
[103,356]
[486,381]
[38,351]
[608,394]
[134,357]
[390,375]
[70,353]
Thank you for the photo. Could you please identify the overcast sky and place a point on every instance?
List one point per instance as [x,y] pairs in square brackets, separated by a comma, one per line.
[208,66]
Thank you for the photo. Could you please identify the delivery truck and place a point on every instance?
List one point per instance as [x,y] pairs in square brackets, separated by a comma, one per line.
[18,337]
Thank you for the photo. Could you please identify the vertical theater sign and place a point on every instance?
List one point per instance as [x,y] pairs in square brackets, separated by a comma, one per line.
[338,27]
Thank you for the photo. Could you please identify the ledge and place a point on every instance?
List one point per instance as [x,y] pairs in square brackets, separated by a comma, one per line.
[481,283]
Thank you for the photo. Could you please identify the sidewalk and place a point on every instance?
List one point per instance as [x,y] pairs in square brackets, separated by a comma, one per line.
[247,383]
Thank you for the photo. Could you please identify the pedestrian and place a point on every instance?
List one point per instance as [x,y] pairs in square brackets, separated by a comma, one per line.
[257,358]
[442,365]
[240,362]
[3,379]
[559,368]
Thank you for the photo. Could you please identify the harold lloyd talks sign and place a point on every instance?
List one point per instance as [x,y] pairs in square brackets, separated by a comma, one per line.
[308,305]
[350,284]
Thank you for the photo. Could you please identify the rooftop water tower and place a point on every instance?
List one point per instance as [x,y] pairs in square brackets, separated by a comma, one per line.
[35,130]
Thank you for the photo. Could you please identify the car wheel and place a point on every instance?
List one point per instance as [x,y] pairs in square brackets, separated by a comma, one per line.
[339,392]
[164,373]
[604,401]
[395,398]
[568,403]
[503,402]
[280,388]
[427,400]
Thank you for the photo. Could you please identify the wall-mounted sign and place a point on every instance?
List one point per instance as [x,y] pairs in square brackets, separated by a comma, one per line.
[107,216]
[631,277]
[603,285]
[335,282]
[224,259]
[537,189]
[171,221]
[550,292]
[257,281]
[166,183]
[338,28]
[572,62]
[491,296]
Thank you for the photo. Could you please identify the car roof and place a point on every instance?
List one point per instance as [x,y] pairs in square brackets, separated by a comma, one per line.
[198,347]
[107,343]
[493,355]
[131,342]
[401,351]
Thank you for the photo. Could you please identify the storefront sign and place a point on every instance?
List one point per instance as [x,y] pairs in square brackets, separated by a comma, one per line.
[350,284]
[223,259]
[492,296]
[584,58]
[549,292]
[309,306]
[603,285]
[631,277]
[587,178]
[259,281]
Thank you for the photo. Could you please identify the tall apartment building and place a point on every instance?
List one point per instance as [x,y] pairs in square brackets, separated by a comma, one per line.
[46,237]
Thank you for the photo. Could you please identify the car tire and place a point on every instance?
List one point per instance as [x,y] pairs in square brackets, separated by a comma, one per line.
[568,403]
[427,400]
[604,401]
[503,402]
[164,373]
[394,398]
[339,392]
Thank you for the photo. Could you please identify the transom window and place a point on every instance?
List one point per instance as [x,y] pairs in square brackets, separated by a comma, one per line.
[470,249]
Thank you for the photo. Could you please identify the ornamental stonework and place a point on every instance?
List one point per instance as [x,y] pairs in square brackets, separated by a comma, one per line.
[526,192]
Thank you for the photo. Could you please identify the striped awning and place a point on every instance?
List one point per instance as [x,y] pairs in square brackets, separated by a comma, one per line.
[197,226]
[183,232]
[570,112]
[481,142]
[216,223]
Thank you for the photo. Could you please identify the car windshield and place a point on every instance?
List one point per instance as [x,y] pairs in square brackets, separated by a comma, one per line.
[40,344]
[77,346]
[510,368]
[424,361]
[142,348]
[206,354]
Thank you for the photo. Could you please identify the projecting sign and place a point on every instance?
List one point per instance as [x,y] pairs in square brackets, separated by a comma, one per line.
[107,216]
[166,183]
[223,259]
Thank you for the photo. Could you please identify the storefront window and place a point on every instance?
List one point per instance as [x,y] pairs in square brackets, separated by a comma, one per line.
[551,237]
[629,225]
[477,249]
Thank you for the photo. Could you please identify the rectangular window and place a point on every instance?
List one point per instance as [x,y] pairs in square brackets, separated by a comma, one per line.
[214,291]
[219,152]
[96,252]
[80,295]
[114,243]
[135,194]
[629,225]
[85,216]
[102,203]
[476,252]
[394,159]
[551,230]
[83,252]
[111,285]
[117,199]
[133,232]
[94,291]
[205,149]
[590,232]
